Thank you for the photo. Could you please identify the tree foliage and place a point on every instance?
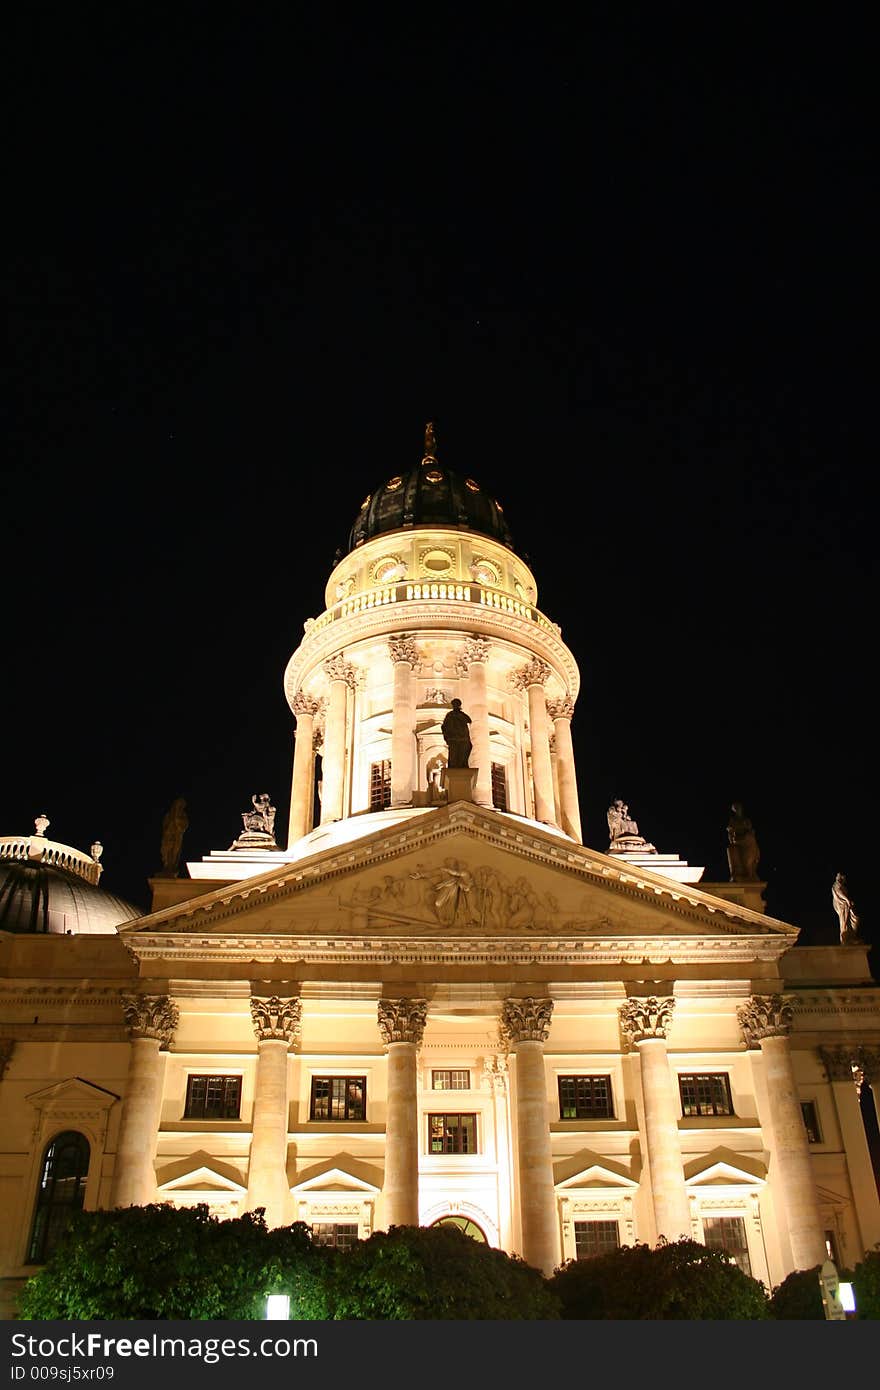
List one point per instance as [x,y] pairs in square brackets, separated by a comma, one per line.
[167,1262]
[675,1280]
[866,1286]
[435,1272]
[798,1296]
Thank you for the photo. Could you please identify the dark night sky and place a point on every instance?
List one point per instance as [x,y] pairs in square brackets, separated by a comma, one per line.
[620,257]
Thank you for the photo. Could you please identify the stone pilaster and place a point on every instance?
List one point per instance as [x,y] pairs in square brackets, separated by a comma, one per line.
[765,1022]
[405,658]
[151,1020]
[525,1025]
[531,678]
[300,823]
[402,1025]
[561,712]
[276,1023]
[473,665]
[496,1078]
[342,677]
[644,1024]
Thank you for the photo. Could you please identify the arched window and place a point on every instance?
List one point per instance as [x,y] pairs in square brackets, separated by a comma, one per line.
[61,1192]
[465,1224]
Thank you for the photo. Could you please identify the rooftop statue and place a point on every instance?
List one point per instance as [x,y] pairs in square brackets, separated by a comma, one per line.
[261,820]
[624,832]
[174,826]
[847,915]
[743,854]
[456,731]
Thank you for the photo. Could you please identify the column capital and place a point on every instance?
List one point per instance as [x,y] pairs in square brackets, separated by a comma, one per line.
[151,1016]
[764,1016]
[526,1020]
[651,1017]
[476,651]
[562,708]
[402,1020]
[839,1062]
[535,672]
[304,704]
[338,669]
[276,1019]
[868,1059]
[403,648]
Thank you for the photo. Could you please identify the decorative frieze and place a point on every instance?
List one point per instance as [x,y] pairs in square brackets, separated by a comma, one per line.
[276,1019]
[561,709]
[402,1020]
[764,1016]
[535,672]
[403,648]
[646,1018]
[526,1020]
[151,1016]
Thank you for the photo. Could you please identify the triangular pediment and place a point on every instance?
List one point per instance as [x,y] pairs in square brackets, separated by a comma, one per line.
[467,873]
[586,1169]
[199,1172]
[725,1168]
[341,1173]
[72,1093]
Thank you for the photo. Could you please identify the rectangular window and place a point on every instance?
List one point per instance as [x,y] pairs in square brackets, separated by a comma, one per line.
[380,786]
[705,1093]
[337,1236]
[592,1238]
[585,1098]
[338,1098]
[728,1233]
[499,787]
[452,1134]
[213,1098]
[445,1080]
[811,1121]
[831,1246]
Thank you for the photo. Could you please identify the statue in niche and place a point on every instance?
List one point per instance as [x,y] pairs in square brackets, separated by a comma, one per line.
[436,792]
[175,823]
[846,913]
[743,854]
[456,731]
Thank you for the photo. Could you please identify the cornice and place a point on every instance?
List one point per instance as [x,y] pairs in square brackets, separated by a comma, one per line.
[426,616]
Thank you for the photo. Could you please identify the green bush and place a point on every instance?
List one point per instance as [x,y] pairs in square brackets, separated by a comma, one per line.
[675,1280]
[866,1286]
[175,1263]
[435,1272]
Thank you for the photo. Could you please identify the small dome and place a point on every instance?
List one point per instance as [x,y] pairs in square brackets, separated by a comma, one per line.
[430,495]
[47,887]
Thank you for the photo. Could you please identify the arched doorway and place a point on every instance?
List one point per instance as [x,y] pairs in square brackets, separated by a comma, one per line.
[465,1224]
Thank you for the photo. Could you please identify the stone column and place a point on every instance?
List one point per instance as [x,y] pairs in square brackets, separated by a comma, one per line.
[405,659]
[560,712]
[276,1024]
[848,1070]
[402,1024]
[644,1024]
[472,665]
[305,709]
[342,679]
[766,1022]
[531,678]
[525,1024]
[151,1020]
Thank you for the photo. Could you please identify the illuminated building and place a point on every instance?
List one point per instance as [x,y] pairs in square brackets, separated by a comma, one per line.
[434,1002]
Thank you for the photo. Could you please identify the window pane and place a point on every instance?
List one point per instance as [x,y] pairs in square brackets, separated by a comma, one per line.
[213,1098]
[592,1238]
[585,1098]
[728,1233]
[338,1098]
[811,1121]
[61,1192]
[452,1134]
[705,1093]
[450,1080]
[339,1237]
